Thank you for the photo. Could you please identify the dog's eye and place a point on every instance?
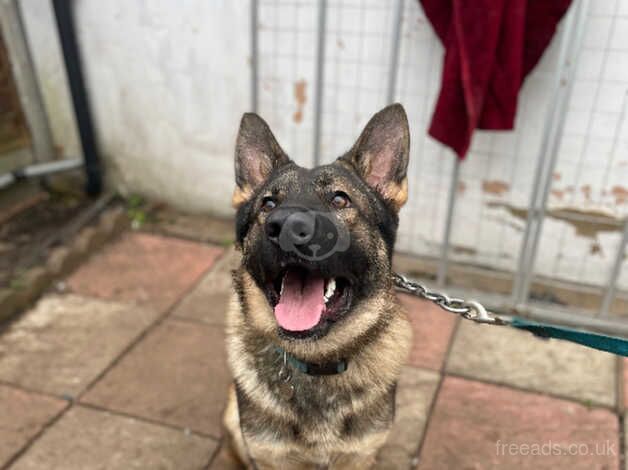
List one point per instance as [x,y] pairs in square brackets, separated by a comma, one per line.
[268,204]
[340,200]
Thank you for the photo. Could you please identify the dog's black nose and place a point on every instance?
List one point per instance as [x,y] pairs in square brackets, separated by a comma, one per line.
[291,224]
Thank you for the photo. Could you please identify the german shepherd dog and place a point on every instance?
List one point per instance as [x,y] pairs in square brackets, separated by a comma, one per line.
[316,337]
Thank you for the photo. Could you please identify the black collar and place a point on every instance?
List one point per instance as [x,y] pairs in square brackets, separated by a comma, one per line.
[311,368]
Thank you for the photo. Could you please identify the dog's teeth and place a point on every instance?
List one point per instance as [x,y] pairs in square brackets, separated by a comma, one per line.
[329,291]
[281,290]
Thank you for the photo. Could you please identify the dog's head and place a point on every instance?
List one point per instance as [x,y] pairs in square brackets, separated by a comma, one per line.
[318,242]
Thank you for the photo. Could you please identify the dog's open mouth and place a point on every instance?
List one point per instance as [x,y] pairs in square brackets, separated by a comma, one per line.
[303,301]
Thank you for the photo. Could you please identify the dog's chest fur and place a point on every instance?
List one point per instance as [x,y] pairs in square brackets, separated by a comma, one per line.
[327,408]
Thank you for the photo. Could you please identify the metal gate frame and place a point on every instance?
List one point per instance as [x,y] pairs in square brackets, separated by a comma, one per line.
[26,82]
[519,300]
[42,145]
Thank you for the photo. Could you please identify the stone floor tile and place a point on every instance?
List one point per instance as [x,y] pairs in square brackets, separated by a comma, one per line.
[22,416]
[85,439]
[432,328]
[415,392]
[176,375]
[209,300]
[66,341]
[203,228]
[518,358]
[144,268]
[482,426]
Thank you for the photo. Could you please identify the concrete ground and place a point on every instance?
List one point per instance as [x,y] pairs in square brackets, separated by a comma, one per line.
[123,366]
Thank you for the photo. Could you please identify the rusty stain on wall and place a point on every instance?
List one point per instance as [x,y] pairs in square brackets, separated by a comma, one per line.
[557,193]
[301,98]
[556,176]
[596,248]
[462,187]
[464,250]
[587,222]
[586,190]
[495,187]
[620,194]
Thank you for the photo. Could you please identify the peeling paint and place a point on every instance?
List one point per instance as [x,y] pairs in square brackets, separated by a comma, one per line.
[586,191]
[495,187]
[301,98]
[596,249]
[557,193]
[464,250]
[587,222]
[620,194]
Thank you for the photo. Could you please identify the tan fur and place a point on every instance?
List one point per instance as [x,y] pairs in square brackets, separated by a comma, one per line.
[396,193]
[241,195]
[231,422]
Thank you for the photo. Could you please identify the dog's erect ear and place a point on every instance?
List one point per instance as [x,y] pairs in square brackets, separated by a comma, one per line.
[257,154]
[380,155]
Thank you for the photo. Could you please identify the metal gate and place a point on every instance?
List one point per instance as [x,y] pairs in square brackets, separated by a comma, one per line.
[13,132]
[548,249]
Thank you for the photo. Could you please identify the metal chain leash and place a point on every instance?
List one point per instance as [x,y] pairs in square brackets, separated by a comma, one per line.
[469,309]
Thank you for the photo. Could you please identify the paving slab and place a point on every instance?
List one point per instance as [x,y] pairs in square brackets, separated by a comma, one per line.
[432,329]
[476,425]
[23,415]
[508,356]
[176,375]
[198,227]
[415,393]
[90,439]
[209,300]
[145,269]
[66,341]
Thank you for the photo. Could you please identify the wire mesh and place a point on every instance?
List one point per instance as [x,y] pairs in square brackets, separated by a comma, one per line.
[588,197]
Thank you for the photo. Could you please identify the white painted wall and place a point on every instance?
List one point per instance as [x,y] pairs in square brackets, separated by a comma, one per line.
[169,81]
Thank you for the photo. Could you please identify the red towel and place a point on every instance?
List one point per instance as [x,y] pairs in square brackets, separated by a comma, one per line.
[491,45]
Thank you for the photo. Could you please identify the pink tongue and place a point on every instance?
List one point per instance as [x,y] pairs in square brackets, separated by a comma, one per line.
[301,304]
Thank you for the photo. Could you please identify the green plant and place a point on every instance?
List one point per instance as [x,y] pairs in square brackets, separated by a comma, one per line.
[135,210]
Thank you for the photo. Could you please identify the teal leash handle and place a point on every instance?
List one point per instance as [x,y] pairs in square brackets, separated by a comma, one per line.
[611,344]
[474,311]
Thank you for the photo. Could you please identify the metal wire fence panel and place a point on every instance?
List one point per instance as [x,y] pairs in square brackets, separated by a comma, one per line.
[588,196]
[287,33]
[582,219]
